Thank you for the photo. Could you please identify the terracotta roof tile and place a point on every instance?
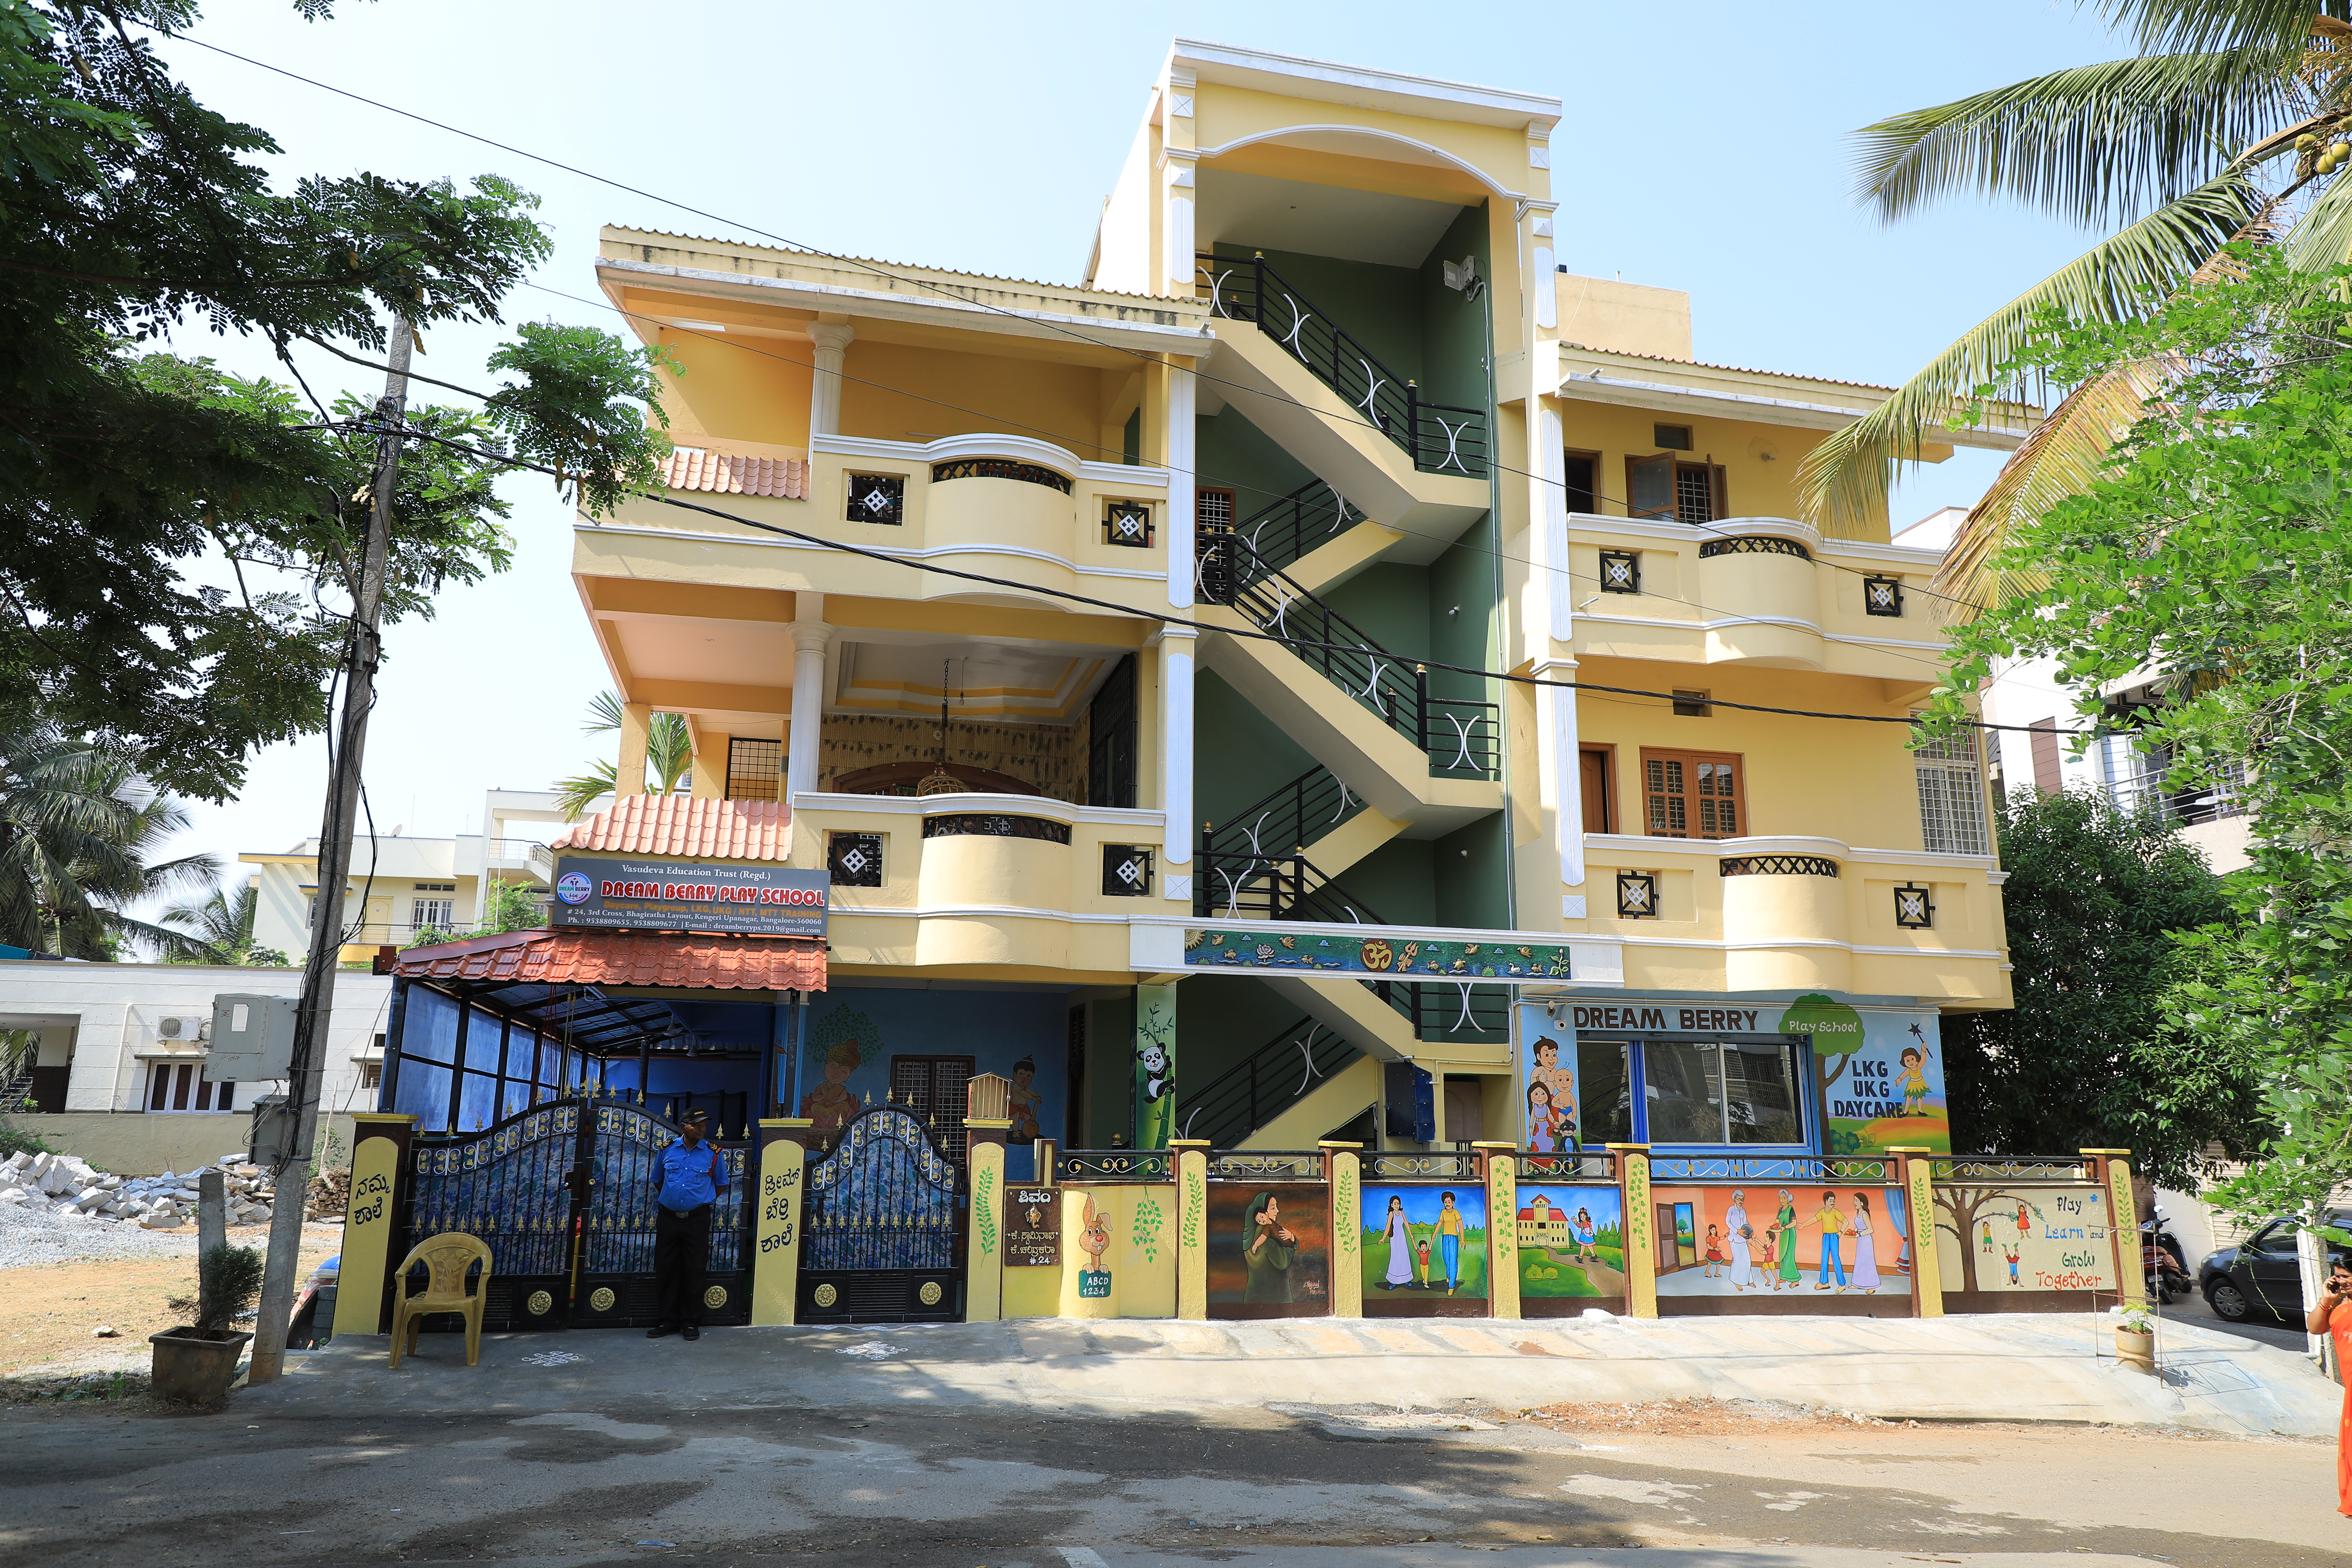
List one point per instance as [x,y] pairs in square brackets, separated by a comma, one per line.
[731,473]
[574,957]
[687,825]
[878,263]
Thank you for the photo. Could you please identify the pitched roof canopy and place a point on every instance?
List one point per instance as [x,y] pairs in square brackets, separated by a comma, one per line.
[681,824]
[575,957]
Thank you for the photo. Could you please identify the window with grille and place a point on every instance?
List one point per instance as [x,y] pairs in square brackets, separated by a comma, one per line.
[1665,488]
[934,1089]
[1213,509]
[440,913]
[754,768]
[1692,794]
[1951,797]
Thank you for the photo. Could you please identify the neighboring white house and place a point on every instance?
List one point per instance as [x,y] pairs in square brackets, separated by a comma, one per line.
[2027,694]
[400,885]
[119,1074]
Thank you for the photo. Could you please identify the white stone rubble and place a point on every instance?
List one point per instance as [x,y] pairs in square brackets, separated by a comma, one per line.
[66,1184]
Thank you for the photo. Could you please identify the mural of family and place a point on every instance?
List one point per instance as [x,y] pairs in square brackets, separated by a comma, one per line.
[1731,1241]
[1424,1238]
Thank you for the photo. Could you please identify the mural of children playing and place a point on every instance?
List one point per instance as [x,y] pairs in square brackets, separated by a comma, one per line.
[1914,1081]
[1581,1227]
[1545,1128]
[2008,1250]
[1832,1219]
[1715,1258]
[1449,1240]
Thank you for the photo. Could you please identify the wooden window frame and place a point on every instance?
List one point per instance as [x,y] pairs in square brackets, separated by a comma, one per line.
[1738,762]
[1718,486]
[1610,807]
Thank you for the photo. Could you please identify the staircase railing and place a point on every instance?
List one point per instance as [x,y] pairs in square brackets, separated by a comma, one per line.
[1461,737]
[1439,437]
[1242,886]
[1293,815]
[1279,533]
[1447,1009]
[1266,1083]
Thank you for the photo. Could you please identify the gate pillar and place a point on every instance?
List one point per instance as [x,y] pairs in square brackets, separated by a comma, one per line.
[1502,1174]
[1342,1173]
[1641,1234]
[983,1284]
[776,1225]
[378,1171]
[1191,1169]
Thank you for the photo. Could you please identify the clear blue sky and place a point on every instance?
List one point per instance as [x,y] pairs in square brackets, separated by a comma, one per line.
[1701,148]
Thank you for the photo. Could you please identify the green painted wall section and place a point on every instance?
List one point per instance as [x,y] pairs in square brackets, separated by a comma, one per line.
[1377,306]
[1229,451]
[1452,329]
[1466,874]
[1110,1061]
[1239,754]
[1222,1019]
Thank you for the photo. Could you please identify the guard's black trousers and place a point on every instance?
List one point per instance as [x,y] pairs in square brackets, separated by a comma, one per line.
[681,1251]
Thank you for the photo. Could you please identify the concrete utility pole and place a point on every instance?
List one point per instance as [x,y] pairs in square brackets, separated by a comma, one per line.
[293,1177]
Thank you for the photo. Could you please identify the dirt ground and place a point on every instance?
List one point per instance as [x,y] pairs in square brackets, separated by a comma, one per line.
[47,1311]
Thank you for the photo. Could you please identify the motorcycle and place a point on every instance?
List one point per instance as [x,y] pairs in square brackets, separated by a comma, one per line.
[2161,1258]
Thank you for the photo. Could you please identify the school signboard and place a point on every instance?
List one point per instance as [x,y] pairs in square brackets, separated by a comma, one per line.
[729,897]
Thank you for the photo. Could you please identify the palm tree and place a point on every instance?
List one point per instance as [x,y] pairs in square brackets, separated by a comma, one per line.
[669,757]
[222,930]
[76,828]
[2228,125]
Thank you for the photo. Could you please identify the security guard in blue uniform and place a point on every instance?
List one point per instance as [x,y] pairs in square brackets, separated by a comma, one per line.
[692,1173]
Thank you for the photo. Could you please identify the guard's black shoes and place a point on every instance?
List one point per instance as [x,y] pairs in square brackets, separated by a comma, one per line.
[661,1331]
[692,1332]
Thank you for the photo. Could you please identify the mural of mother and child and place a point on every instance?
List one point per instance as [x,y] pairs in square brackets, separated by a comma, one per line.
[1728,1241]
[1424,1238]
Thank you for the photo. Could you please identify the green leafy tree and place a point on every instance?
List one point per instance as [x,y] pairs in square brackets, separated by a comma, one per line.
[127,208]
[218,930]
[2216,549]
[2089,1057]
[669,758]
[79,832]
[2226,113]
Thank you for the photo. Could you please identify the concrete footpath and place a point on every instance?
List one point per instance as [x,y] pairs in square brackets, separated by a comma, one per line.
[2029,1367]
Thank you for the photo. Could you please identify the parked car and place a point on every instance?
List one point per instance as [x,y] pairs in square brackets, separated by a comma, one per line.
[2260,1277]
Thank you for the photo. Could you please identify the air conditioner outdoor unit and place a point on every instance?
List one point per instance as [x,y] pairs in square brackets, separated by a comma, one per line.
[189,1027]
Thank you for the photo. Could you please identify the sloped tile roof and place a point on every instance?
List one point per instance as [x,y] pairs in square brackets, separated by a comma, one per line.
[624,958]
[731,473]
[681,824]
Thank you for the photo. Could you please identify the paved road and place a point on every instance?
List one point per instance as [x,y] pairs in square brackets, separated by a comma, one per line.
[2266,1331]
[1040,1488]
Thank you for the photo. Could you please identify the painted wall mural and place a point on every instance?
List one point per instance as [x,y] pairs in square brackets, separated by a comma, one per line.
[1571,1242]
[1426,1239]
[2023,1239]
[1767,1239]
[1230,947]
[1269,1250]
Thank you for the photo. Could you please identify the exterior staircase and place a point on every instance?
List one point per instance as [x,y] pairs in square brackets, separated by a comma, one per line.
[1255,1097]
[1413,465]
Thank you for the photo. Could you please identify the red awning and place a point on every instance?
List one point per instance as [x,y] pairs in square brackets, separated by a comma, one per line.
[624,958]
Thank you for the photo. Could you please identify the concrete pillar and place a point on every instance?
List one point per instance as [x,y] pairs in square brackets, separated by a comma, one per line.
[810,636]
[636,728]
[832,335]
[1176,663]
[1179,448]
[709,774]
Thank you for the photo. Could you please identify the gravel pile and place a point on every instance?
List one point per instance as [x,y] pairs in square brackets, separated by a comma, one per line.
[168,1202]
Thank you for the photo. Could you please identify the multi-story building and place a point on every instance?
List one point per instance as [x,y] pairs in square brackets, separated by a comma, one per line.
[401,887]
[1327,672]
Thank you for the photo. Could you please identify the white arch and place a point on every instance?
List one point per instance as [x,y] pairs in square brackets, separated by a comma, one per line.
[1438,152]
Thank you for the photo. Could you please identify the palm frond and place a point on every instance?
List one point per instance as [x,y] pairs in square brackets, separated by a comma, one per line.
[1842,482]
[2322,237]
[669,753]
[2256,27]
[2093,144]
[575,794]
[603,713]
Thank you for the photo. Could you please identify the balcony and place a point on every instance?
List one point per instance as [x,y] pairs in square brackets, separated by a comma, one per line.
[524,857]
[1761,591]
[1792,913]
[981,879]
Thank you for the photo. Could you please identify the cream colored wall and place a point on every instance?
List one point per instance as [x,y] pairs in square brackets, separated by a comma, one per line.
[737,389]
[1759,460]
[1628,317]
[900,390]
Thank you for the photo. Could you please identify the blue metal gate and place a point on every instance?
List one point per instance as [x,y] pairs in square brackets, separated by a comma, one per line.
[883,1242]
[564,1196]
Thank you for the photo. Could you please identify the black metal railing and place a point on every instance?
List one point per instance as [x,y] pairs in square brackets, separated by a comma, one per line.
[1460,737]
[1114,1165]
[1440,437]
[1241,886]
[1291,817]
[1448,1009]
[1266,1083]
[1278,534]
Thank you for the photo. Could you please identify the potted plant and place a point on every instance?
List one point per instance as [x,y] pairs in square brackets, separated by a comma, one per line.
[196,1363]
[2135,1339]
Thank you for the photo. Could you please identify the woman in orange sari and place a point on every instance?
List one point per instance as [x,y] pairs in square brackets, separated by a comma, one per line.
[2333,1316]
